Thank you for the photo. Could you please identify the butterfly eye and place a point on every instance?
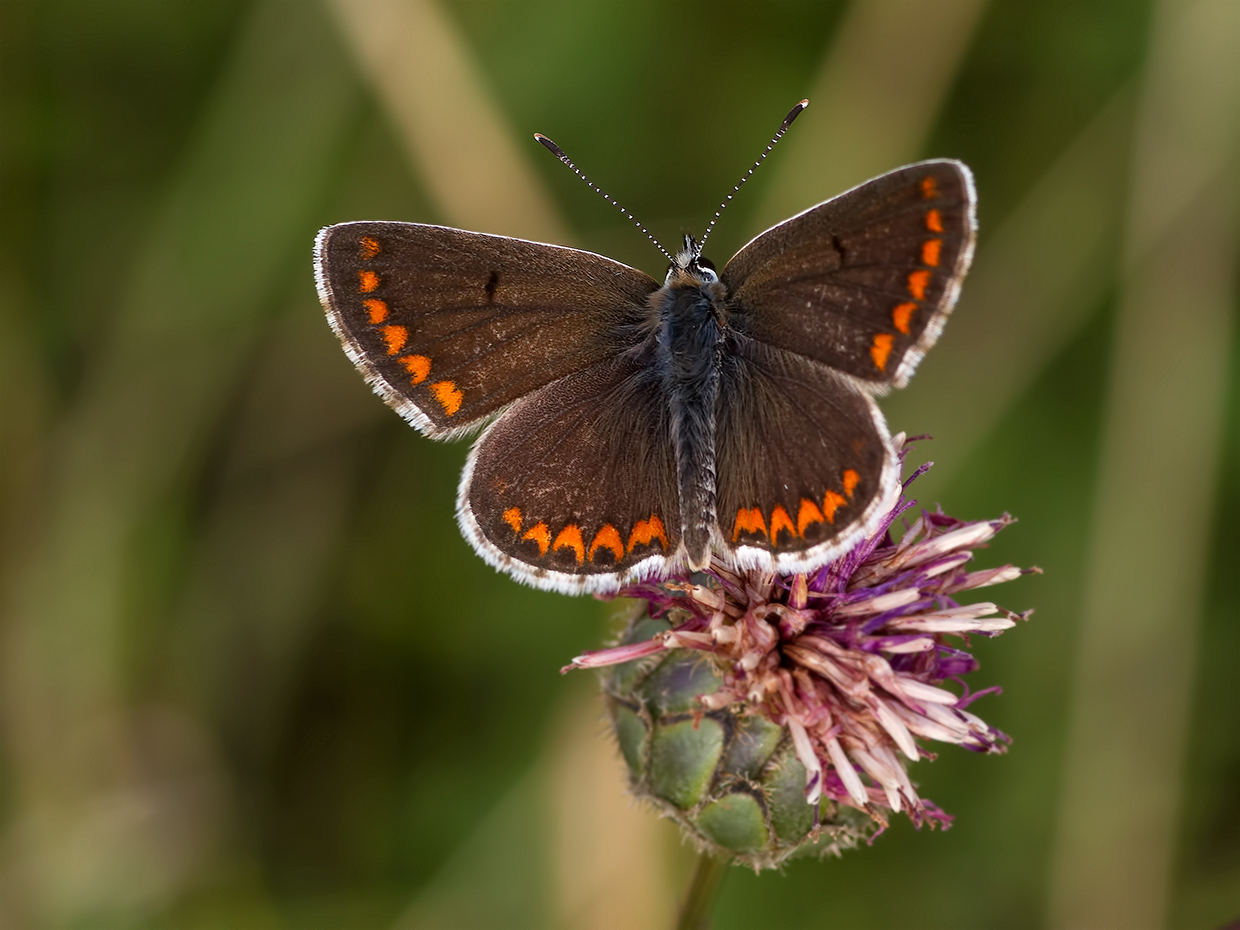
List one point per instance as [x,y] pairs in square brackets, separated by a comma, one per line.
[707,263]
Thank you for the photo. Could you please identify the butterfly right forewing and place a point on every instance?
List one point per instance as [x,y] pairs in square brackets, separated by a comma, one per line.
[862,282]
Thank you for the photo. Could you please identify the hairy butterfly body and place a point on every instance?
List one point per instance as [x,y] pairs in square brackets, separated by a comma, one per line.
[632,429]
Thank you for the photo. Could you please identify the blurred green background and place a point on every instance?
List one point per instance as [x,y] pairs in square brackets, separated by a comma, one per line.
[250,674]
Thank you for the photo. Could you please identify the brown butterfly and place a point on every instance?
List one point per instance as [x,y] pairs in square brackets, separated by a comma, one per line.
[632,429]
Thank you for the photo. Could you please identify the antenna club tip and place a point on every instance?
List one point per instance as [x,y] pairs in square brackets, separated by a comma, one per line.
[550,146]
[793,114]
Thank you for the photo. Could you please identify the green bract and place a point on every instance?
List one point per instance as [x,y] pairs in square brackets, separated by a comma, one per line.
[732,782]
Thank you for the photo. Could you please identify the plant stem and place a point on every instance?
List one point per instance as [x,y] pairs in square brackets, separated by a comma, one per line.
[695,912]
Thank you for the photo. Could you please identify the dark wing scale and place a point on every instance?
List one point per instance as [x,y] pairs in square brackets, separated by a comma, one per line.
[451,326]
[805,464]
[574,487]
[864,281]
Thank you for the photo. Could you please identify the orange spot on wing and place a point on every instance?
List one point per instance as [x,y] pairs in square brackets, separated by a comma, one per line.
[607,538]
[918,281]
[377,310]
[902,315]
[748,520]
[512,516]
[541,535]
[930,252]
[418,366]
[646,532]
[934,221]
[367,281]
[831,502]
[570,538]
[809,513]
[369,247]
[781,521]
[395,338]
[881,350]
[851,479]
[448,396]
[929,187]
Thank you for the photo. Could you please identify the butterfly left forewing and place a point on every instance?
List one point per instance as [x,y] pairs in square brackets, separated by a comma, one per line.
[451,326]
[862,282]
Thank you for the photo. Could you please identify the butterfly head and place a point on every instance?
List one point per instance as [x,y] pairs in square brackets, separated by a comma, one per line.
[689,267]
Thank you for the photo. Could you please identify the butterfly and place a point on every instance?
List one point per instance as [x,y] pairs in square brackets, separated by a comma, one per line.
[631,429]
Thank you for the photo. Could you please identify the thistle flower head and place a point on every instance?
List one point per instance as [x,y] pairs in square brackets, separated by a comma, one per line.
[859,665]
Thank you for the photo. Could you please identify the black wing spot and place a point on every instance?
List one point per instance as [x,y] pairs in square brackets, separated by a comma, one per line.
[839,248]
[492,284]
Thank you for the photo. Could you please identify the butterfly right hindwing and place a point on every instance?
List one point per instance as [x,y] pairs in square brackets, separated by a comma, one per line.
[805,463]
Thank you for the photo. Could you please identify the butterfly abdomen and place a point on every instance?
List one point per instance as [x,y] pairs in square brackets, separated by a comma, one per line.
[690,341]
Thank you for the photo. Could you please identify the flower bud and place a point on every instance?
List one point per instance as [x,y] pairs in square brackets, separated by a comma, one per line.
[770,715]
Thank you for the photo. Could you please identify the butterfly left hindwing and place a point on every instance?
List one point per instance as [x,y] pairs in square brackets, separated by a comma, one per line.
[574,487]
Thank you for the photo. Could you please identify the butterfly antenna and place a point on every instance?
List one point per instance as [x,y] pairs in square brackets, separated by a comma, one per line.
[559,153]
[783,128]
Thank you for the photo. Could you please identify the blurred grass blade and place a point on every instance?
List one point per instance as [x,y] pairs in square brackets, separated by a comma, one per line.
[1156,486]
[267,546]
[456,137]
[452,128]
[1037,279]
[236,216]
[496,877]
[565,847]
[611,865]
[882,84]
